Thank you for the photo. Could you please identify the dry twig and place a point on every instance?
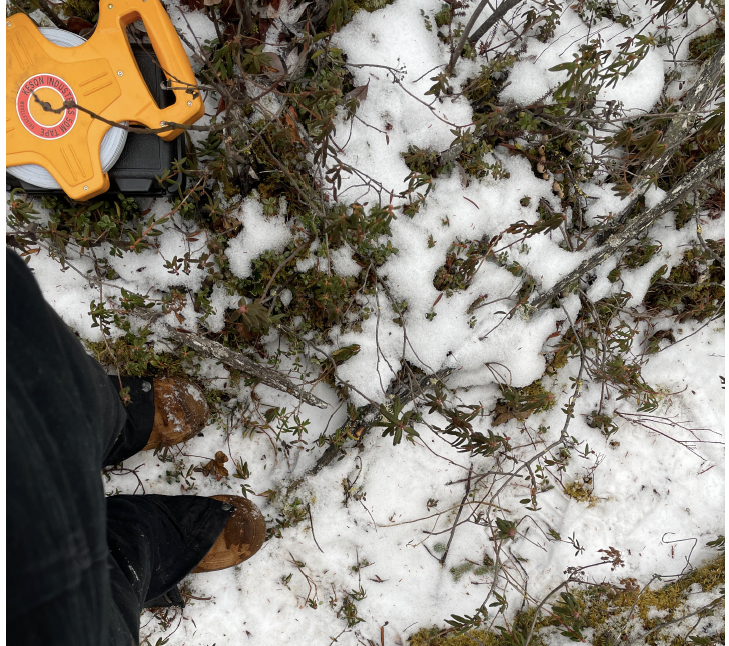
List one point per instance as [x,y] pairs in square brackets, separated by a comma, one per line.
[636,228]
[214,350]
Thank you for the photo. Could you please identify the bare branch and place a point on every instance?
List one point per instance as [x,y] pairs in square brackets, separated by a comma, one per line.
[697,97]
[499,13]
[214,350]
[636,227]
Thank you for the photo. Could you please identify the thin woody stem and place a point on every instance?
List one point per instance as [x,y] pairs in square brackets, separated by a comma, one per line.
[636,227]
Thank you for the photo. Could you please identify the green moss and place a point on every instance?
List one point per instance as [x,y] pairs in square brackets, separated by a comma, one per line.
[367,5]
[670,597]
[433,637]
[561,357]
[534,398]
[86,9]
[536,389]
[703,47]
[602,607]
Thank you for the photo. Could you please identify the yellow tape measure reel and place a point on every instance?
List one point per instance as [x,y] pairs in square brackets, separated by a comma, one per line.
[100,75]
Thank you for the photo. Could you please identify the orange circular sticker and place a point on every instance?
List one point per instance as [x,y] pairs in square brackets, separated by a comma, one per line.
[46,88]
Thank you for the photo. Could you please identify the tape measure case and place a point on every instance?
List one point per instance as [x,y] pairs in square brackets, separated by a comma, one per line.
[61,100]
[143,157]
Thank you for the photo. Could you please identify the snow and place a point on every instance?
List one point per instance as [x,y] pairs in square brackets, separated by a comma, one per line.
[343,263]
[642,88]
[259,233]
[648,486]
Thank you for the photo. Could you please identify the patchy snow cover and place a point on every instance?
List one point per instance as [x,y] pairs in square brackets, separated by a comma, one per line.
[259,233]
[373,509]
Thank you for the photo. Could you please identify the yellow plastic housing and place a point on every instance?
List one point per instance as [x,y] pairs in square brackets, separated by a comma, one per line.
[100,76]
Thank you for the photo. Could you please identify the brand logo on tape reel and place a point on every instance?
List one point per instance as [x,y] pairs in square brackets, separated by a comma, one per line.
[49,89]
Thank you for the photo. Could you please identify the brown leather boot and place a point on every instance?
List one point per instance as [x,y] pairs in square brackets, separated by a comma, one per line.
[241,538]
[180,412]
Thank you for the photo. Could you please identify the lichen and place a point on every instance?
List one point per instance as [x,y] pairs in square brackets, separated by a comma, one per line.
[579,491]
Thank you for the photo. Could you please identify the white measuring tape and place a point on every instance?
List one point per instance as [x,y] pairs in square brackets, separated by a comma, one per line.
[111,145]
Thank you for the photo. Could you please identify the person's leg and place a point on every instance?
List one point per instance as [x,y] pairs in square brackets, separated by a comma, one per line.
[62,418]
[138,419]
[66,584]
[155,542]
[160,412]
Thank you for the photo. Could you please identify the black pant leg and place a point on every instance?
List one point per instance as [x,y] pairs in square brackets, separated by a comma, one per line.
[66,583]
[63,416]
[155,542]
[137,428]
